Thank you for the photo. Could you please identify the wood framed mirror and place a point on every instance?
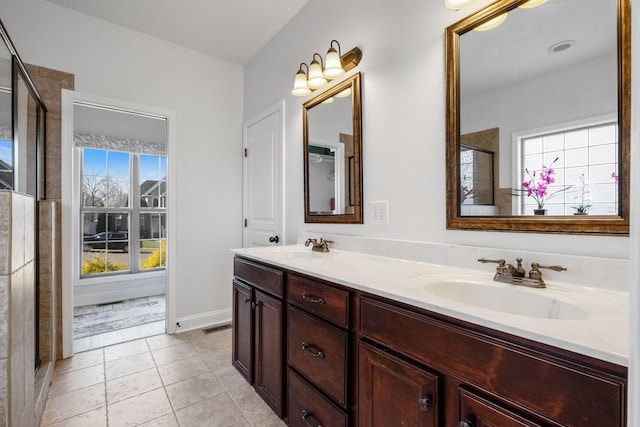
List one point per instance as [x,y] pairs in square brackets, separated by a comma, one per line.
[332,139]
[548,92]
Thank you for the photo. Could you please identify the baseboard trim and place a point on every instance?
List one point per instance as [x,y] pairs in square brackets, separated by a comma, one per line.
[202,321]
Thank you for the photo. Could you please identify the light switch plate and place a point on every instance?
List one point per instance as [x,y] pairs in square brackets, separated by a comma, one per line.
[380,212]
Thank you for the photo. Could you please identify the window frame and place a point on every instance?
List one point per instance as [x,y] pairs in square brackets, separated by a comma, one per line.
[133,210]
[520,136]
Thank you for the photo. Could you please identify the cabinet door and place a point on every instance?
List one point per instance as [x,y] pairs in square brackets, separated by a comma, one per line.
[243,330]
[268,350]
[476,411]
[392,392]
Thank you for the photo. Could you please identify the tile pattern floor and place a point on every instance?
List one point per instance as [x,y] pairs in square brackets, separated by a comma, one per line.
[182,380]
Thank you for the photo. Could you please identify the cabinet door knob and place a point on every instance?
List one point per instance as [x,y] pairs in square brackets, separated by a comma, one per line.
[466,423]
[307,297]
[306,347]
[254,305]
[306,415]
[424,403]
[274,239]
[246,299]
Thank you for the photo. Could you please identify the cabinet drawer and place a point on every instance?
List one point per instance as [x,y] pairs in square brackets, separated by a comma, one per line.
[319,352]
[309,407]
[258,275]
[323,300]
[566,392]
[477,411]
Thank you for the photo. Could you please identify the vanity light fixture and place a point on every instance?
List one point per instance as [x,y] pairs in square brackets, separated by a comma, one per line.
[458,4]
[344,93]
[316,78]
[333,67]
[318,74]
[492,23]
[300,86]
[532,3]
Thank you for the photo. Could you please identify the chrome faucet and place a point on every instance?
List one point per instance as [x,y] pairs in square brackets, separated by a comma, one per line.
[321,246]
[507,273]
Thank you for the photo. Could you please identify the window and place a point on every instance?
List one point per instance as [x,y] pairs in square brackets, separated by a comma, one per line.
[584,174]
[119,235]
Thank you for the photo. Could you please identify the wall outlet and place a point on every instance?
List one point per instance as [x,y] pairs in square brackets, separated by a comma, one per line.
[380,212]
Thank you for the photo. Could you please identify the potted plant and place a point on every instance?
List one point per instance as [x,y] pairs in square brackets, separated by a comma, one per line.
[537,186]
[582,208]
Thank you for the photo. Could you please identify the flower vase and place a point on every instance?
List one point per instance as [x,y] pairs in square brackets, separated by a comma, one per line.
[539,211]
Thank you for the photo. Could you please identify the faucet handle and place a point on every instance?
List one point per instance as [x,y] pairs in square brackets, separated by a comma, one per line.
[500,261]
[535,270]
[326,241]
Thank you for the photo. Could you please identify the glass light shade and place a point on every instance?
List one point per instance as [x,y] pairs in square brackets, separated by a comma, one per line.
[492,23]
[316,79]
[328,100]
[344,93]
[333,67]
[458,4]
[532,3]
[300,86]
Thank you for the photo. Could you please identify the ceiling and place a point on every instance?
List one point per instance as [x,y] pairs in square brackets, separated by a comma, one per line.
[519,48]
[233,30]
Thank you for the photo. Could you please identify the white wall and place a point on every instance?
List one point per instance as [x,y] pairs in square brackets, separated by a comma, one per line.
[566,95]
[206,94]
[403,99]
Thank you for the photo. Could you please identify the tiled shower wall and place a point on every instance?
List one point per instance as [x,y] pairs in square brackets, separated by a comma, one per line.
[50,84]
[17,307]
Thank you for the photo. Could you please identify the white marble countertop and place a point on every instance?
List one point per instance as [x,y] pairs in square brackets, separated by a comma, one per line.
[601,332]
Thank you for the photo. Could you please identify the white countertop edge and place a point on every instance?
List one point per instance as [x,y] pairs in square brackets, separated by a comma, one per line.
[508,323]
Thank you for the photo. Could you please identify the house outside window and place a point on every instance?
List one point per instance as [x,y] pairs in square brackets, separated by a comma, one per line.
[119,236]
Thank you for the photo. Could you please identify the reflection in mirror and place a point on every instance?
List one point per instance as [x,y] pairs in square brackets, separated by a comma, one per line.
[547,92]
[6,113]
[332,148]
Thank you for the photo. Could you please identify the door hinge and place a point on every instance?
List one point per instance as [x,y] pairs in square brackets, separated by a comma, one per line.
[245,152]
[245,222]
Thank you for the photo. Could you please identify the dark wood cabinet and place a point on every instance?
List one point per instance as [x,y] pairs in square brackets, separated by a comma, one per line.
[550,388]
[309,407]
[268,380]
[392,392]
[476,411]
[258,329]
[242,330]
[324,354]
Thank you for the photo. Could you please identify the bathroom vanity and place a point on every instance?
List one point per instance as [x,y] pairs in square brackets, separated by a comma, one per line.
[347,339]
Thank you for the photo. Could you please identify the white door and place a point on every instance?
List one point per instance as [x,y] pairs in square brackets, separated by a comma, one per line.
[263,179]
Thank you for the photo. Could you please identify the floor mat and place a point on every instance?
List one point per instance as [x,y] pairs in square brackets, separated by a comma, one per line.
[100,318]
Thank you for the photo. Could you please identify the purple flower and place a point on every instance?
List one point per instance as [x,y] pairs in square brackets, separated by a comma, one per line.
[614,176]
[536,187]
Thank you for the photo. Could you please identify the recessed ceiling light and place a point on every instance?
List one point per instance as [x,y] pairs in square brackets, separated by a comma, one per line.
[561,46]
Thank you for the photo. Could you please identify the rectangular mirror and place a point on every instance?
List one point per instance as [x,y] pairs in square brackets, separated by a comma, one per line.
[332,155]
[547,91]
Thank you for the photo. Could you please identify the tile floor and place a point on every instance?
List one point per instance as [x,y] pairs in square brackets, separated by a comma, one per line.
[183,380]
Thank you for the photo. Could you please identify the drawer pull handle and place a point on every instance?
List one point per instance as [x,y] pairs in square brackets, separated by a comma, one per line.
[307,297]
[306,415]
[424,403]
[306,347]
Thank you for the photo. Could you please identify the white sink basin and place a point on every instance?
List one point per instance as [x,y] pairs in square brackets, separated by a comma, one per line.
[505,298]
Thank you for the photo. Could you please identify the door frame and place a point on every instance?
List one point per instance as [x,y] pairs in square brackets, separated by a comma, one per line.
[278,109]
[70,233]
